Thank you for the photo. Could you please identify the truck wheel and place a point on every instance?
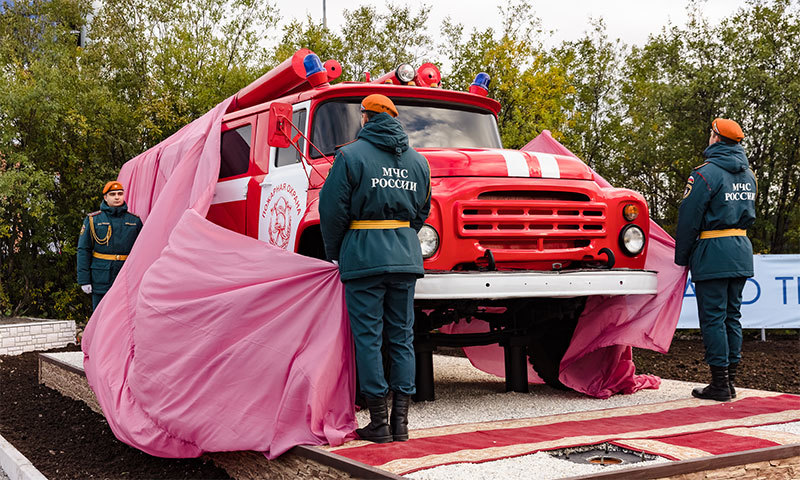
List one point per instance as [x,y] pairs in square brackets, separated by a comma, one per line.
[311,243]
[547,349]
[550,340]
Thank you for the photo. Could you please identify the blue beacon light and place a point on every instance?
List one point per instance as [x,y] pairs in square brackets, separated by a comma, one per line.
[315,72]
[481,84]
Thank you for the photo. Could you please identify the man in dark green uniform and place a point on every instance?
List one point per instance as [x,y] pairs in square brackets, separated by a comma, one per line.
[105,241]
[373,203]
[718,206]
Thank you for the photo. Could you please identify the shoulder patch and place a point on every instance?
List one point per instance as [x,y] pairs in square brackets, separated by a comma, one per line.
[94,214]
[83,229]
[701,165]
[688,190]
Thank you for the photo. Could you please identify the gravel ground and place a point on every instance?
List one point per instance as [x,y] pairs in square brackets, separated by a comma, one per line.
[465,394]
[460,387]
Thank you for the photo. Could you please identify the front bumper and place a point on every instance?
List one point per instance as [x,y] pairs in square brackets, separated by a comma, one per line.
[534,284]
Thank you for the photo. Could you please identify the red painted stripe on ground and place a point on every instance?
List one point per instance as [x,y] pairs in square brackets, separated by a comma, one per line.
[609,428]
[717,443]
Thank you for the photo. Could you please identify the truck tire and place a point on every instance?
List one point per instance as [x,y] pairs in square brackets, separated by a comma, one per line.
[311,243]
[551,339]
[546,350]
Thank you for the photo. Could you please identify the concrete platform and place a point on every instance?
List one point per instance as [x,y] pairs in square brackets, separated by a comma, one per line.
[19,335]
[469,395]
[64,372]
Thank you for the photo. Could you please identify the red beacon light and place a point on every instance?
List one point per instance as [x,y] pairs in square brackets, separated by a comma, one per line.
[481,84]
[428,76]
[316,74]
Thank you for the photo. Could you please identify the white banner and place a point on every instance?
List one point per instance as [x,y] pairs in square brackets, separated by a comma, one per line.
[771,299]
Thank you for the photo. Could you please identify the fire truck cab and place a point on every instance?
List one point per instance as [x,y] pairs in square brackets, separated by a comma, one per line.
[518,239]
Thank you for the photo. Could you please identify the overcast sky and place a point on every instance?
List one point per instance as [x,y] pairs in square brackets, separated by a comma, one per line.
[628,20]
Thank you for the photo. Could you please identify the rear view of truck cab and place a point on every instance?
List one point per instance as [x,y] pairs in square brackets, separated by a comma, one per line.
[518,239]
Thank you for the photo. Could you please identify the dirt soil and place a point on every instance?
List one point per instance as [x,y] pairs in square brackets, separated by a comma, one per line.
[66,440]
[773,365]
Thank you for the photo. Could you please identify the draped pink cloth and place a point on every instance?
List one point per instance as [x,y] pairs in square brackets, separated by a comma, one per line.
[209,340]
[213,341]
[599,360]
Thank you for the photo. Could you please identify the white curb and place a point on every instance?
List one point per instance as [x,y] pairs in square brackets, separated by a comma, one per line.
[16,466]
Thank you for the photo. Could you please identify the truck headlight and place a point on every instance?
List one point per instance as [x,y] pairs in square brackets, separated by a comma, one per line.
[631,239]
[428,240]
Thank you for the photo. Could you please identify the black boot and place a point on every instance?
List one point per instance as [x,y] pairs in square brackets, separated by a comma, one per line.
[378,429]
[718,389]
[399,418]
[732,368]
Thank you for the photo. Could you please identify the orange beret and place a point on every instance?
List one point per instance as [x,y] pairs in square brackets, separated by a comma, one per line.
[379,103]
[728,129]
[113,185]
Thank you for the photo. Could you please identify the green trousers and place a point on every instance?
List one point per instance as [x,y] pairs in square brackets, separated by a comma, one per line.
[718,306]
[376,303]
[96,297]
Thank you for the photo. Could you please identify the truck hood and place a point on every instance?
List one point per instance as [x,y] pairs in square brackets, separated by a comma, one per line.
[503,163]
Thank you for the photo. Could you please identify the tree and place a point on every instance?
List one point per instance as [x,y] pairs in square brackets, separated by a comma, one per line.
[378,43]
[531,86]
[46,114]
[670,92]
[174,61]
[70,117]
[310,35]
[747,68]
[764,95]
[593,65]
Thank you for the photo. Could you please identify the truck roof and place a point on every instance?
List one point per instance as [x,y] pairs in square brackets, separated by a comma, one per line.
[362,89]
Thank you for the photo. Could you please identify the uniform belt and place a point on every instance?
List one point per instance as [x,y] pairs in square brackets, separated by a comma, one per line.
[378,224]
[728,232]
[105,256]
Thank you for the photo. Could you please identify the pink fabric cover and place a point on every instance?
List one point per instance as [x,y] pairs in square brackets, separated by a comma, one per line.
[599,361]
[209,340]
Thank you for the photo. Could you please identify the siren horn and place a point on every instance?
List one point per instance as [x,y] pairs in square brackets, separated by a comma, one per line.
[333,68]
[428,76]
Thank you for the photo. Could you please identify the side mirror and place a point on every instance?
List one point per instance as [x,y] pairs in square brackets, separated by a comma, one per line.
[279,127]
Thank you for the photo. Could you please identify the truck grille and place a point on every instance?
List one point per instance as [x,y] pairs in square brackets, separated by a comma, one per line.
[531,220]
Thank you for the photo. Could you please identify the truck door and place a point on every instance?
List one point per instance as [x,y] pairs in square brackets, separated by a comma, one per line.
[228,207]
[284,189]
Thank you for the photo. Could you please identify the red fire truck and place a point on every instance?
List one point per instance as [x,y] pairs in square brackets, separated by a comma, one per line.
[514,238]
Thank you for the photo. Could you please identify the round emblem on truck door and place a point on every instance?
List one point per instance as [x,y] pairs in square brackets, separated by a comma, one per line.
[280,223]
[280,216]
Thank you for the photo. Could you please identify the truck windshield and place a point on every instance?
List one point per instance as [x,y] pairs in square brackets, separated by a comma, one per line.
[428,125]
